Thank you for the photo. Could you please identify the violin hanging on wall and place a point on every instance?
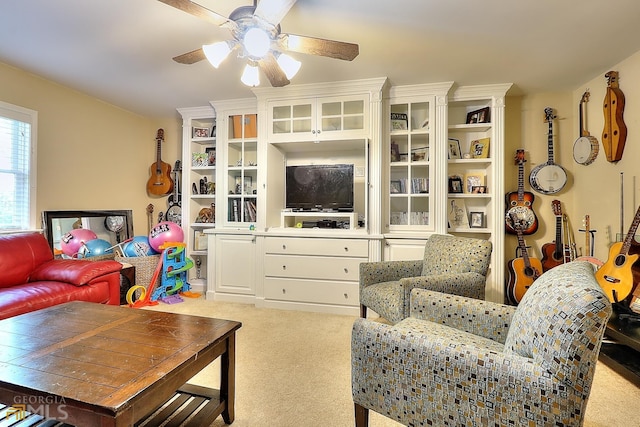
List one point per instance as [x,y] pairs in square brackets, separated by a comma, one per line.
[614,134]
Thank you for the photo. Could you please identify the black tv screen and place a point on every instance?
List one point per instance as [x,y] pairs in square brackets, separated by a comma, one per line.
[310,187]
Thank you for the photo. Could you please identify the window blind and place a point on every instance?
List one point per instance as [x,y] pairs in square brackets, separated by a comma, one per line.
[17,168]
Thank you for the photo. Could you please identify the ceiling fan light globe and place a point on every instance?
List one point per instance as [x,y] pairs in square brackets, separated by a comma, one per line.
[289,65]
[250,76]
[216,52]
[256,42]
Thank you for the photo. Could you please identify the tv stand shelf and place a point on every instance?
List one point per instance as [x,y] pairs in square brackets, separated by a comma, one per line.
[292,219]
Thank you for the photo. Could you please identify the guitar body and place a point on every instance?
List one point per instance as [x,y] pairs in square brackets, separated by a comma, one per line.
[551,257]
[616,276]
[523,211]
[521,276]
[160,182]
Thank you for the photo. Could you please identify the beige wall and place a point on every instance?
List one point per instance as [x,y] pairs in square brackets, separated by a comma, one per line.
[91,155]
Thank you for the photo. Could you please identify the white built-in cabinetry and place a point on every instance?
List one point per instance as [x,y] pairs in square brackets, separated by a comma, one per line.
[401,187]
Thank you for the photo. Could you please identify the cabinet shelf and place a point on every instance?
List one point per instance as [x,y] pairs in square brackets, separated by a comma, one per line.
[203,225]
[203,141]
[202,196]
[472,127]
[203,168]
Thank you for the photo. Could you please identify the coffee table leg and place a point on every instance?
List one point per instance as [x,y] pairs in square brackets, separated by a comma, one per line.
[228,379]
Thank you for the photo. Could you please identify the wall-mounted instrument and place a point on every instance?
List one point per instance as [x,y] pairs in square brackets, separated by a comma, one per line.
[614,134]
[160,182]
[615,276]
[523,271]
[549,177]
[553,254]
[174,212]
[586,147]
[520,204]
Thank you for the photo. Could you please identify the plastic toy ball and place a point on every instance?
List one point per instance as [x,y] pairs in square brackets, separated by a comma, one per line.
[165,231]
[138,246]
[95,247]
[72,241]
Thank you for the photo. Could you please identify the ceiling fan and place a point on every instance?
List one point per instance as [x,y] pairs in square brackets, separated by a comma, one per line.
[256,33]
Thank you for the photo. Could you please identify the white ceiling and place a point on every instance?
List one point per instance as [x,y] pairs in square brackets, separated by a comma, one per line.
[120,50]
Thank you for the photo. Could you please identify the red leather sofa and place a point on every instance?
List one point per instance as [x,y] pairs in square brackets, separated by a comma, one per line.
[31,279]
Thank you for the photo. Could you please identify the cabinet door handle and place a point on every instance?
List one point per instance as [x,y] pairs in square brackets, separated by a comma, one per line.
[319,131]
[346,296]
[284,247]
[284,267]
[346,249]
[284,291]
[313,131]
[346,270]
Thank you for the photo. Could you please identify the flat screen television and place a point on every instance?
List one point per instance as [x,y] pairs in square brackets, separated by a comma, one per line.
[324,187]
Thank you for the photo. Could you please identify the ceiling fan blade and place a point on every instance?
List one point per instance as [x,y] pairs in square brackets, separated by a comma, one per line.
[190,57]
[272,11]
[200,12]
[272,70]
[314,46]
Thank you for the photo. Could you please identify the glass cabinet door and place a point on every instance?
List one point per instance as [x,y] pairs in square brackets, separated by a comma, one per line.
[242,169]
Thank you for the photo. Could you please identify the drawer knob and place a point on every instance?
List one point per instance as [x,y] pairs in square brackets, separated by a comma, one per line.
[346,296]
[346,270]
[284,246]
[284,267]
[284,291]
[346,249]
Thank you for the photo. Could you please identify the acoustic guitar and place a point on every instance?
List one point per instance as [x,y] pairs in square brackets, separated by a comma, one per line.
[519,204]
[615,277]
[160,182]
[549,177]
[174,212]
[553,254]
[523,271]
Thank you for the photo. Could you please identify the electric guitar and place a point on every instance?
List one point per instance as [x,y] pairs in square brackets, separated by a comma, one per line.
[160,182]
[174,212]
[523,271]
[553,254]
[519,204]
[615,276]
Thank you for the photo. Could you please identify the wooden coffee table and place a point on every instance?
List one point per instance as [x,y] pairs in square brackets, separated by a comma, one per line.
[96,365]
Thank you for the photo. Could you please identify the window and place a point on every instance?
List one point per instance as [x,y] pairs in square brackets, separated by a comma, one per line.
[17,167]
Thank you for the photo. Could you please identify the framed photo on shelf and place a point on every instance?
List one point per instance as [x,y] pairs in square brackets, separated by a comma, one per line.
[455,184]
[479,189]
[479,148]
[395,187]
[454,148]
[395,152]
[211,155]
[476,219]
[200,132]
[420,154]
[199,241]
[474,179]
[457,214]
[399,121]
[479,116]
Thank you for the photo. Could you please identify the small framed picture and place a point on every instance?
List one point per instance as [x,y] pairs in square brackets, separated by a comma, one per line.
[479,148]
[479,189]
[479,116]
[454,148]
[455,184]
[395,152]
[473,179]
[476,219]
[395,187]
[420,154]
[211,156]
[199,132]
[399,121]
[200,241]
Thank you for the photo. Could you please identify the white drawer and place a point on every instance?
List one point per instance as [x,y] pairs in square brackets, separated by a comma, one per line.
[315,291]
[312,267]
[310,246]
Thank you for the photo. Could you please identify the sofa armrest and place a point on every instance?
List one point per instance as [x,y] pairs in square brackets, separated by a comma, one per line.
[388,271]
[487,319]
[75,272]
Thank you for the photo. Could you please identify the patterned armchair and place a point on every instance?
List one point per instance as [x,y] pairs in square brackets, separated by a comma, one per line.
[462,362]
[455,265]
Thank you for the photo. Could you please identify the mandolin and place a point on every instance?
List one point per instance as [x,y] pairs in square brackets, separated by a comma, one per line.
[160,182]
[523,271]
[553,254]
[549,177]
[174,212]
[519,204]
[614,134]
[615,276]
[586,147]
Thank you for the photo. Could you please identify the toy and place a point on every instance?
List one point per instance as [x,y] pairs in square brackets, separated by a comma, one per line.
[163,232]
[71,242]
[138,246]
[95,247]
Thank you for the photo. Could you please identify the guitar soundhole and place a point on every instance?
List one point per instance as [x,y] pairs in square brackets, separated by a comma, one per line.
[620,260]
[528,271]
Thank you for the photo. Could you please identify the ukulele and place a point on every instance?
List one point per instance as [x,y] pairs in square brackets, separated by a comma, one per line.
[549,177]
[160,182]
[586,147]
[553,254]
[149,217]
[519,204]
[174,212]
[523,271]
[615,276]
[614,134]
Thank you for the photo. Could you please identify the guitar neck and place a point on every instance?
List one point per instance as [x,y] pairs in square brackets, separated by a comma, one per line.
[521,182]
[523,250]
[631,234]
[158,155]
[550,142]
[559,247]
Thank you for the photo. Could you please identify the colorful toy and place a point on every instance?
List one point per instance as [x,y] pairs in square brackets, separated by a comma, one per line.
[95,247]
[72,241]
[163,232]
[138,246]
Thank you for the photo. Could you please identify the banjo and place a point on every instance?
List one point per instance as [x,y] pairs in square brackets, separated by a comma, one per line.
[548,178]
[586,147]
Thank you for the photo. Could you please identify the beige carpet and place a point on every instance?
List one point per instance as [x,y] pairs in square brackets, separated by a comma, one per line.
[293,370]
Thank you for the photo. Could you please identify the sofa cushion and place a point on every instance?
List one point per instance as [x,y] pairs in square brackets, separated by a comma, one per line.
[447,254]
[76,272]
[20,254]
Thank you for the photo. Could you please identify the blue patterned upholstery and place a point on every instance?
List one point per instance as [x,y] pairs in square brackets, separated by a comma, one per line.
[456,265]
[458,361]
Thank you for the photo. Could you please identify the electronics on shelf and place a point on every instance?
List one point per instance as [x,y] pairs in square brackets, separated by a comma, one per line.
[320,187]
